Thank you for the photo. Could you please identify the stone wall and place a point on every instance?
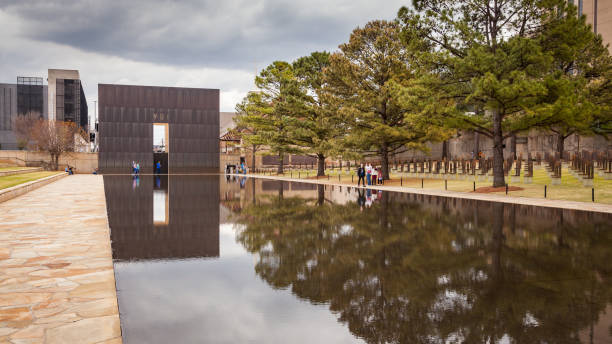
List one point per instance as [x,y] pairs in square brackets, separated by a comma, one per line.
[83,162]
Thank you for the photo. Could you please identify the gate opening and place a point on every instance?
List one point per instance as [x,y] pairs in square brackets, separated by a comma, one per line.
[160,148]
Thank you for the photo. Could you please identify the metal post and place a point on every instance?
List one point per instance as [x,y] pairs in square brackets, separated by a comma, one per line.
[401,181]
[544,191]
[593,194]
[506,189]
[338,177]
[422,183]
[474,186]
[299,175]
[445,184]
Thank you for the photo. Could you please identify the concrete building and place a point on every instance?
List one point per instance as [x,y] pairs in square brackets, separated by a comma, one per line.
[67,97]
[26,97]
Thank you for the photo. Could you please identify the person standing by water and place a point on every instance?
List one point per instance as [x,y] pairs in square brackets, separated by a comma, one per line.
[158,167]
[137,168]
[380,176]
[361,176]
[369,173]
[374,175]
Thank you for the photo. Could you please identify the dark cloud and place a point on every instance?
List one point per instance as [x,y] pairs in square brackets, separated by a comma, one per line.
[231,34]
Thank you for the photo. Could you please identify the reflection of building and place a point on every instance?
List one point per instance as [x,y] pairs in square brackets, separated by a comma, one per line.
[161,217]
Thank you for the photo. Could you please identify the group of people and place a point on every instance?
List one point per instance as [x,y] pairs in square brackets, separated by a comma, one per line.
[69,170]
[135,168]
[371,175]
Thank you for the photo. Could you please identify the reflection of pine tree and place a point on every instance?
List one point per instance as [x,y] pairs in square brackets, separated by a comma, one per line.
[403,272]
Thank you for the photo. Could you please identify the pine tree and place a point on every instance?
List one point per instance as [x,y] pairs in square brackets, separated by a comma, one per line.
[361,83]
[487,56]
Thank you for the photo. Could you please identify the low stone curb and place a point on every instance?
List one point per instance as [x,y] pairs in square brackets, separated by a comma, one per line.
[537,202]
[14,172]
[18,190]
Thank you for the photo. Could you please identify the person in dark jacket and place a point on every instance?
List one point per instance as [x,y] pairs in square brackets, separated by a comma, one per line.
[361,175]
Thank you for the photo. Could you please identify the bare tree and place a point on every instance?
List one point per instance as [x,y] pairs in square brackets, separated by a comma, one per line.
[53,137]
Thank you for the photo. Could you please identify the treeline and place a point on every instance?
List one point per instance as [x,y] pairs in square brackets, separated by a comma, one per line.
[499,68]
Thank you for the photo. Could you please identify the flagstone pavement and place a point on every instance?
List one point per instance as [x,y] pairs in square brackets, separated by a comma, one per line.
[57,283]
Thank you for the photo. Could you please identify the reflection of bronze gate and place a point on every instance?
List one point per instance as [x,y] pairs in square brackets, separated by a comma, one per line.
[163,158]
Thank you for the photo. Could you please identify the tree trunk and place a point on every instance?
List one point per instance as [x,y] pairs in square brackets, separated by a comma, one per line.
[385,163]
[445,150]
[253,159]
[320,165]
[54,162]
[476,145]
[498,150]
[560,145]
[280,163]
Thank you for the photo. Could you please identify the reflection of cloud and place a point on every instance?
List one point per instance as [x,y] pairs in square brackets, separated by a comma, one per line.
[216,300]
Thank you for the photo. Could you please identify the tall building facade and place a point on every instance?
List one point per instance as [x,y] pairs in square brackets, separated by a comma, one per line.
[127,115]
[27,97]
[68,101]
[599,14]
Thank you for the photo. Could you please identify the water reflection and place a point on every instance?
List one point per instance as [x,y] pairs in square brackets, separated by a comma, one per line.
[401,268]
[336,264]
[163,218]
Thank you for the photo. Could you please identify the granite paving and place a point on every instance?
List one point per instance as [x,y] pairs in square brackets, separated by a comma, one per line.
[57,283]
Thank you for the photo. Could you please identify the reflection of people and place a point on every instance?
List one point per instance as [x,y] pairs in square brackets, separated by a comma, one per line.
[135,181]
[242,182]
[360,198]
[368,202]
[157,182]
[360,175]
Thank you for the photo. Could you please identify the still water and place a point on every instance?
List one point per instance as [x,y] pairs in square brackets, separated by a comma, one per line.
[214,259]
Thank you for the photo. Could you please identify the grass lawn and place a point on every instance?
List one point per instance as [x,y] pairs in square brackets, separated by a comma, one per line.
[9,181]
[13,168]
[570,189]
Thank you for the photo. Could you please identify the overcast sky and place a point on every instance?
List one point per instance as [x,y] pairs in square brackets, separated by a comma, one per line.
[190,43]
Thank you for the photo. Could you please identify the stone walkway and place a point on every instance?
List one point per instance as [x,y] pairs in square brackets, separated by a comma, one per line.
[538,202]
[57,283]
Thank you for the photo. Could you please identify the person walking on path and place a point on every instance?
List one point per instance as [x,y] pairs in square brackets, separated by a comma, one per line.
[361,176]
[369,174]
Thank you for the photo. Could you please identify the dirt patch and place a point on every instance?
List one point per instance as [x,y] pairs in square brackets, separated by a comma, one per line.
[489,189]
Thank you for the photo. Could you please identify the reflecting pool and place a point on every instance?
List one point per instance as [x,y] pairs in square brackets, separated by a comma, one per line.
[220,259]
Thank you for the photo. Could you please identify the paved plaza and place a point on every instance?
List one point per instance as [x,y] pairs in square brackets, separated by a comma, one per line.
[56,272]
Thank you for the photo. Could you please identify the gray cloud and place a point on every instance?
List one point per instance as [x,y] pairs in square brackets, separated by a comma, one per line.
[236,34]
[187,43]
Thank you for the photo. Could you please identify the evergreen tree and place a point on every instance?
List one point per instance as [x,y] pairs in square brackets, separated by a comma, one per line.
[317,129]
[487,56]
[360,82]
[270,107]
[579,77]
